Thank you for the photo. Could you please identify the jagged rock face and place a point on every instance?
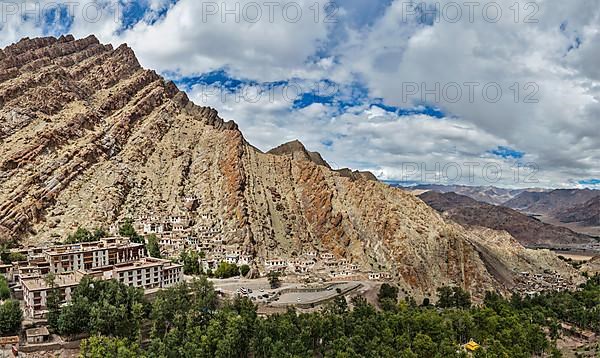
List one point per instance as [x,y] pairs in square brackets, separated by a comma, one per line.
[296,150]
[89,137]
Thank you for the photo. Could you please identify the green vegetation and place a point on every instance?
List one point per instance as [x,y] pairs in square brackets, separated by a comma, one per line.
[84,235]
[387,297]
[244,269]
[10,318]
[449,297]
[8,257]
[273,277]
[52,301]
[580,308]
[226,270]
[101,307]
[101,347]
[128,230]
[4,289]
[189,321]
[189,260]
[153,246]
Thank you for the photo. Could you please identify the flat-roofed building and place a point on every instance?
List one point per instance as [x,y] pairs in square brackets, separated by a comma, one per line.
[37,335]
[147,273]
[36,290]
[92,255]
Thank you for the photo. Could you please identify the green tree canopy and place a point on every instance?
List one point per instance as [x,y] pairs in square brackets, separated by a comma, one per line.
[11,316]
[153,246]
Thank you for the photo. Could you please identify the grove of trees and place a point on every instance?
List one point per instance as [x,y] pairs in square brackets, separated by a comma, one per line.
[189,320]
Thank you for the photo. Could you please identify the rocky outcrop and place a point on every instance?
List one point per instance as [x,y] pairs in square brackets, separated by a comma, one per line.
[88,137]
[296,150]
[356,175]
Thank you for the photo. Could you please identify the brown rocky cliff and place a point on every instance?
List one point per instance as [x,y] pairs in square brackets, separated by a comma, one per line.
[89,137]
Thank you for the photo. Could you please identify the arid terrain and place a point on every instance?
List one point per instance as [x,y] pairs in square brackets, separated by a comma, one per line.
[89,138]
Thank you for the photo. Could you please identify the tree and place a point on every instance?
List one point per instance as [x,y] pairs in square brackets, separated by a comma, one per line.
[456,297]
[153,246]
[99,233]
[424,346]
[9,257]
[244,269]
[4,289]
[226,270]
[100,347]
[74,318]
[103,307]
[191,263]
[80,235]
[128,230]
[10,318]
[85,235]
[274,279]
[387,297]
[16,257]
[52,301]
[337,306]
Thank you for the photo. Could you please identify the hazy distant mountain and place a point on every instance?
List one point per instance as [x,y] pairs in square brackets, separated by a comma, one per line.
[486,194]
[587,214]
[552,203]
[527,230]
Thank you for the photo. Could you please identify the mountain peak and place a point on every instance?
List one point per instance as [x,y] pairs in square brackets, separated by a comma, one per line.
[296,150]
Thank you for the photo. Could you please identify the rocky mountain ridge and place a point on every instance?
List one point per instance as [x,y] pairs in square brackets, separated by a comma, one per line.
[552,202]
[527,230]
[487,194]
[88,138]
[587,213]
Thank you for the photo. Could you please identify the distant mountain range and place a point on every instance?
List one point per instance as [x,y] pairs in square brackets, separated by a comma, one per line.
[552,203]
[576,209]
[486,194]
[528,230]
[587,213]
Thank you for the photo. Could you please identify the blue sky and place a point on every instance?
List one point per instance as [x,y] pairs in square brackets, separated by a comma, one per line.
[374,85]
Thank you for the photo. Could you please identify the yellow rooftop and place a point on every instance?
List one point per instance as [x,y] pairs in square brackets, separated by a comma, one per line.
[472,346]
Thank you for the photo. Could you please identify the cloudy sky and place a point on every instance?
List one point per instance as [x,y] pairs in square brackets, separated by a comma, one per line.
[493,92]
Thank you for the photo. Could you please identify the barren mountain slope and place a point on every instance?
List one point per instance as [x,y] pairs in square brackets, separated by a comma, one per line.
[88,137]
[527,230]
[552,202]
[587,214]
